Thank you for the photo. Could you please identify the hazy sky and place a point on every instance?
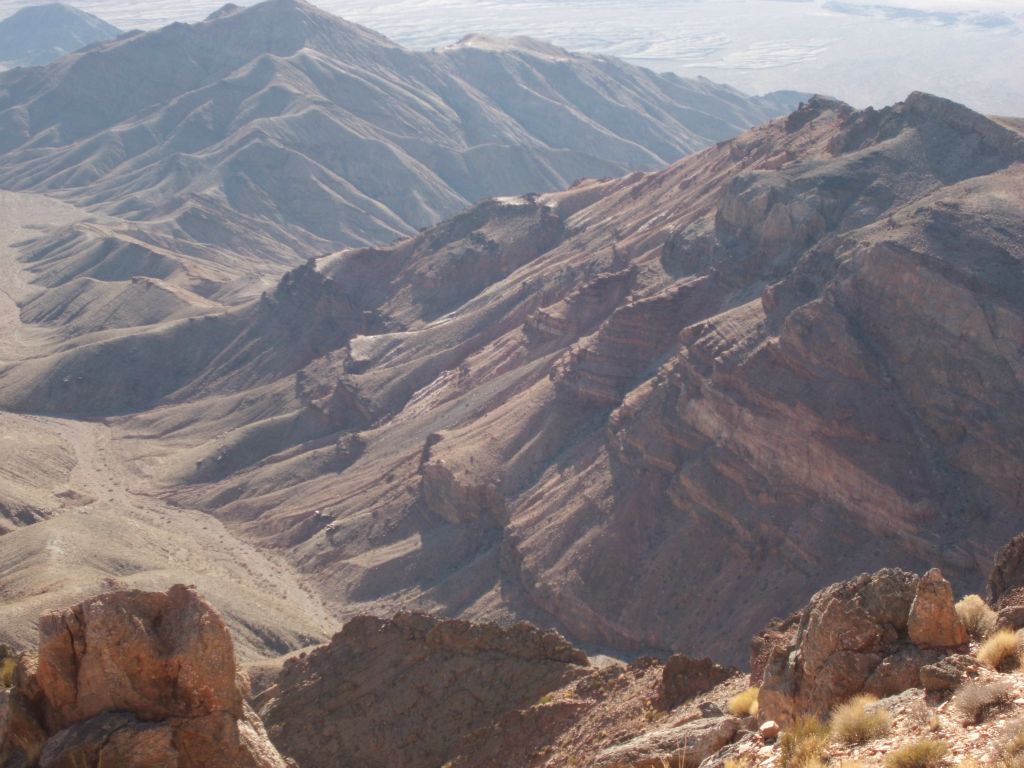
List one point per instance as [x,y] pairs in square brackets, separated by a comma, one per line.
[861,51]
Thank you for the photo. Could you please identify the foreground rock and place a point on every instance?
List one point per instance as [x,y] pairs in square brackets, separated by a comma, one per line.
[873,633]
[407,691]
[133,679]
[683,746]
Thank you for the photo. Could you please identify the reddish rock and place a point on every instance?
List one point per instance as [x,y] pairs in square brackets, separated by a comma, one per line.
[134,680]
[853,637]
[933,621]
[157,654]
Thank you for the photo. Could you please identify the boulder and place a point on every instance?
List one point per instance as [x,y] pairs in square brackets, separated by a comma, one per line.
[933,621]
[157,654]
[949,673]
[679,746]
[136,680]
[685,677]
[872,634]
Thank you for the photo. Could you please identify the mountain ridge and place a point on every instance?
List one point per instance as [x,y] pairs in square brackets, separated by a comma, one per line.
[755,362]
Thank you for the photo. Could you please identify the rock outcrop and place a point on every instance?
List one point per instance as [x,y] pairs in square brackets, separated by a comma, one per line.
[685,677]
[1007,574]
[407,691]
[870,634]
[133,679]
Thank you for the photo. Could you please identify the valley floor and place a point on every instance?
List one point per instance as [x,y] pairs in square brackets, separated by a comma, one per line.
[102,529]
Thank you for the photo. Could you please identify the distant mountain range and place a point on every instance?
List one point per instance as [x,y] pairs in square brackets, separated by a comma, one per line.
[41,34]
[241,145]
[654,411]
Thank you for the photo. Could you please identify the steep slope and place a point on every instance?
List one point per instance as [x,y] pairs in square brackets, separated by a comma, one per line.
[653,411]
[244,144]
[40,34]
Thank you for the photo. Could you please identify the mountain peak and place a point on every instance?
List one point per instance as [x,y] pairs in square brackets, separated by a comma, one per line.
[38,34]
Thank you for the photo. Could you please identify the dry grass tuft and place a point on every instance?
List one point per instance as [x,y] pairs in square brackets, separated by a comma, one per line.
[1011,751]
[856,721]
[802,744]
[744,704]
[1000,651]
[977,617]
[975,700]
[926,753]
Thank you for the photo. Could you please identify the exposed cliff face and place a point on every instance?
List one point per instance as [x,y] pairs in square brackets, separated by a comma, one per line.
[657,410]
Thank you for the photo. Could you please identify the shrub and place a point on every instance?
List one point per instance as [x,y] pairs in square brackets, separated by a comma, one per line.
[976,700]
[977,617]
[999,651]
[857,721]
[743,704]
[926,753]
[1011,751]
[802,745]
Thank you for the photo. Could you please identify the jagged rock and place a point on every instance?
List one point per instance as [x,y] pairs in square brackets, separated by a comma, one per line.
[949,673]
[685,677]
[407,691]
[135,680]
[682,746]
[854,636]
[1007,572]
[933,621]
[780,633]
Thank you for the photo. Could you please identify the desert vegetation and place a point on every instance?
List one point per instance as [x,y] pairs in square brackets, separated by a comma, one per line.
[975,700]
[858,720]
[1000,651]
[744,704]
[977,617]
[924,753]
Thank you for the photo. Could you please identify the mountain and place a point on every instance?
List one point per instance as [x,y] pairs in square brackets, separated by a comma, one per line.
[652,411]
[39,34]
[233,149]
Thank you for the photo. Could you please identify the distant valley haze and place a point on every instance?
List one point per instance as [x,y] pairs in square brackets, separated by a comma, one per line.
[865,52]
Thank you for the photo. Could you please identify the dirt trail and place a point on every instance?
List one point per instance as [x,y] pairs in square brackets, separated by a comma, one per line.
[105,530]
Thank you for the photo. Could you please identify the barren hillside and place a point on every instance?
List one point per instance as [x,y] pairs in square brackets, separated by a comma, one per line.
[653,411]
